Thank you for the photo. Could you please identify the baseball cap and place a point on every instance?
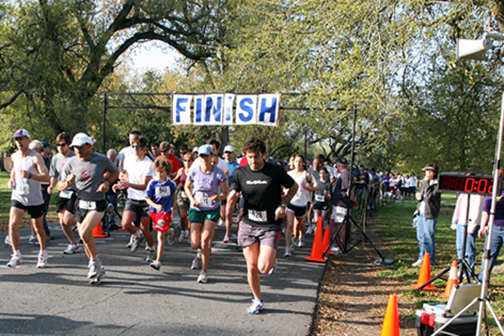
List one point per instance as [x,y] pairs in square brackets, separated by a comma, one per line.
[228,149]
[46,144]
[21,133]
[342,160]
[81,139]
[205,150]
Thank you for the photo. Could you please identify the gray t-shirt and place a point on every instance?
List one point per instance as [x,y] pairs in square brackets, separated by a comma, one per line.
[89,175]
[58,162]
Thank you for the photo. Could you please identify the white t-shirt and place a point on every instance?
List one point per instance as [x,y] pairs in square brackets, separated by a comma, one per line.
[125,152]
[136,171]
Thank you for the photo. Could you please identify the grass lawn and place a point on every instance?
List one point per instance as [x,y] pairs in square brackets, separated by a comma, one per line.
[399,241]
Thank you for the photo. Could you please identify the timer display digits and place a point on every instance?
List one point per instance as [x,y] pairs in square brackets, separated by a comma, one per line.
[470,183]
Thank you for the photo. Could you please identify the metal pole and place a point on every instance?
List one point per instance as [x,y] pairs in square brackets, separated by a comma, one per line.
[105,105]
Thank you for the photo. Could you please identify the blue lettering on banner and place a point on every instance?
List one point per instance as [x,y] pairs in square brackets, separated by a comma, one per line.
[267,109]
[180,108]
[213,106]
[198,109]
[245,107]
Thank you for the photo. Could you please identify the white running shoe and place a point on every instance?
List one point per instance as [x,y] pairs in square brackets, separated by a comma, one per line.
[96,280]
[7,241]
[151,255]
[132,239]
[300,242]
[137,241]
[42,259]
[156,265]
[203,277]
[417,263]
[309,231]
[72,248]
[15,260]
[225,240]
[171,237]
[287,252]
[221,222]
[196,263]
[32,240]
[95,267]
[181,237]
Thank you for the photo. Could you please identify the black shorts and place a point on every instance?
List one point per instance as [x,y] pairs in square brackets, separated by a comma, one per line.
[298,211]
[322,206]
[141,208]
[34,211]
[67,204]
[80,213]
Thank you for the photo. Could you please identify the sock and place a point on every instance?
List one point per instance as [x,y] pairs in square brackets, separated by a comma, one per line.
[18,252]
[137,234]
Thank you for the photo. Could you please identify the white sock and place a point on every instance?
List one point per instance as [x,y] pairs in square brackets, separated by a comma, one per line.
[137,234]
[18,252]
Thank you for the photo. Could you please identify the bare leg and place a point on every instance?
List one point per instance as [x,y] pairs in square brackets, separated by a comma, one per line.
[86,232]
[207,234]
[67,219]
[15,217]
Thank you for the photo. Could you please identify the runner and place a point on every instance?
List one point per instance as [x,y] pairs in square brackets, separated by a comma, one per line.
[25,181]
[232,165]
[159,196]
[66,199]
[260,183]
[205,206]
[137,174]
[182,199]
[318,162]
[322,196]
[87,170]
[341,203]
[296,211]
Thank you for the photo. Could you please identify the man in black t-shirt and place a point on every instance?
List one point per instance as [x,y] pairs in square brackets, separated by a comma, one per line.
[260,184]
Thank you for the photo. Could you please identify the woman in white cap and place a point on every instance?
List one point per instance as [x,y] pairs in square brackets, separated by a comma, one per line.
[92,174]
[202,186]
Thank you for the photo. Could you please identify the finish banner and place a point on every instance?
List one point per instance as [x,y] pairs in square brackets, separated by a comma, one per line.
[217,109]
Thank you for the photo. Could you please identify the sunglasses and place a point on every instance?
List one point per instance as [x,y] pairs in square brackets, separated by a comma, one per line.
[61,145]
[137,146]
[187,160]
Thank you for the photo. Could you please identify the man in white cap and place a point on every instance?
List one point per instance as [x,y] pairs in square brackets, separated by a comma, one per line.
[232,165]
[92,174]
[25,181]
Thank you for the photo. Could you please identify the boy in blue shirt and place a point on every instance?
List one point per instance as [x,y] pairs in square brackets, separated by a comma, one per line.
[159,196]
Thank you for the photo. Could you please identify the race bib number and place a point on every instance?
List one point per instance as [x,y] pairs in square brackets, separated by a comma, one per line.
[23,188]
[183,194]
[66,194]
[87,205]
[258,216]
[163,192]
[319,198]
[205,201]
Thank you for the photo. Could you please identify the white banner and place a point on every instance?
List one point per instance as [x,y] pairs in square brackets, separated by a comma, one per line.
[217,109]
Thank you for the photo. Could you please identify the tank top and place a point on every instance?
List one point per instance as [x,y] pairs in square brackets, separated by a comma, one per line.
[28,192]
[302,196]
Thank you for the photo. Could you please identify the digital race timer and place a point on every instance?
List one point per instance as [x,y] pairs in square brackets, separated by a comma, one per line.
[468,183]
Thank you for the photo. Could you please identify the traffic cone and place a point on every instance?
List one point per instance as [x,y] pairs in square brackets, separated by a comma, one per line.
[391,322]
[98,231]
[424,275]
[316,252]
[452,280]
[326,241]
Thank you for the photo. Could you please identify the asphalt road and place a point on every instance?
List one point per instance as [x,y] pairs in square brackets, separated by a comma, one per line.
[135,299]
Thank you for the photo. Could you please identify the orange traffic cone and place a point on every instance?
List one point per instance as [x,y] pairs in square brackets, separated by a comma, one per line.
[424,275]
[452,280]
[98,231]
[326,241]
[391,322]
[316,252]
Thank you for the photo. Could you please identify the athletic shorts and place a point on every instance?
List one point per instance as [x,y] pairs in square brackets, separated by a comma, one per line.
[267,235]
[67,204]
[339,214]
[161,220]
[322,206]
[34,211]
[182,202]
[141,208]
[200,216]
[82,208]
[298,211]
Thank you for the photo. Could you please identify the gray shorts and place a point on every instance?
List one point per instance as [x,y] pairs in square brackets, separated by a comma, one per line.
[249,235]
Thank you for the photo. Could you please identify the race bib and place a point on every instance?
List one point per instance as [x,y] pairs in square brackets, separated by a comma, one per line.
[183,194]
[205,201]
[319,198]
[87,205]
[163,192]
[66,194]
[23,188]
[258,216]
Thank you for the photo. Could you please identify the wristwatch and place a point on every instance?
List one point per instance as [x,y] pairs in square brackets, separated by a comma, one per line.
[30,175]
[283,205]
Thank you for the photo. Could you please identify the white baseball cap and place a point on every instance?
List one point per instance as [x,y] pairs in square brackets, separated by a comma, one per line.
[228,149]
[81,139]
[21,133]
[205,150]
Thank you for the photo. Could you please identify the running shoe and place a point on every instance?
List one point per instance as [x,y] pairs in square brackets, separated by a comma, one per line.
[156,265]
[274,268]
[96,280]
[151,255]
[7,241]
[32,239]
[287,252]
[95,267]
[221,222]
[42,259]
[203,277]
[15,260]
[137,241]
[196,263]
[300,242]
[181,237]
[336,251]
[225,240]
[72,248]
[257,306]
[188,237]
[309,231]
[132,239]
[417,263]
[171,237]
